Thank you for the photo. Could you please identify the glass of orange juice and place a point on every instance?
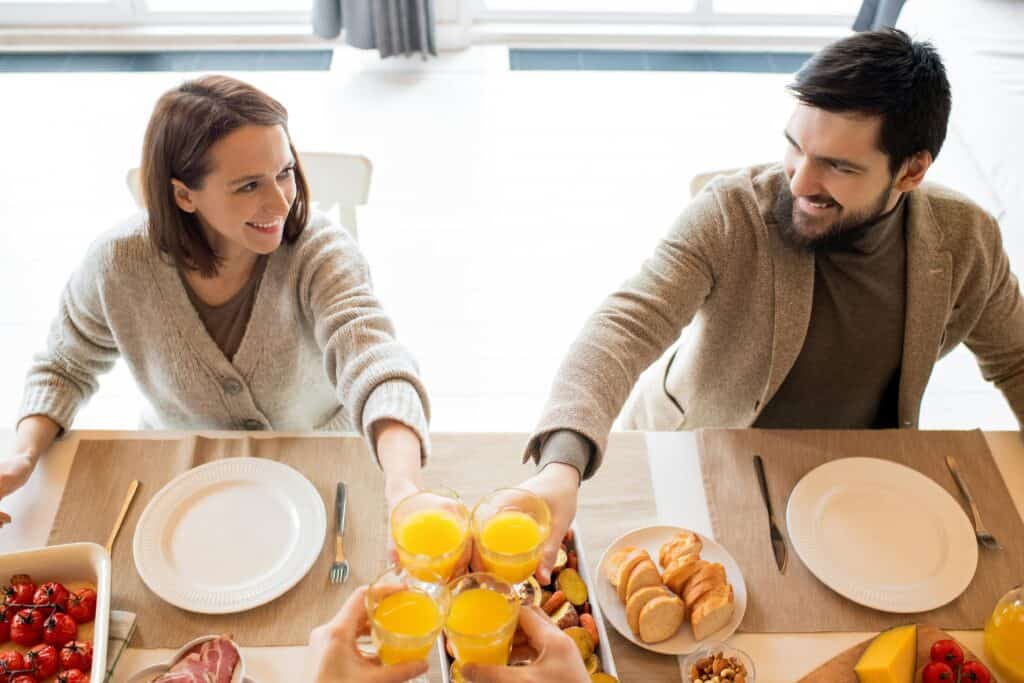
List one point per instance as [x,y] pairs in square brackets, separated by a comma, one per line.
[482,620]
[431,532]
[1004,637]
[510,526]
[406,615]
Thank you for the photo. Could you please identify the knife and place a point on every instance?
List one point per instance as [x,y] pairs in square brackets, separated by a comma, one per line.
[778,544]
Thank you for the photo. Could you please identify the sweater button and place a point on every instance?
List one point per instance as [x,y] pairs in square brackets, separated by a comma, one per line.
[232,387]
[253,425]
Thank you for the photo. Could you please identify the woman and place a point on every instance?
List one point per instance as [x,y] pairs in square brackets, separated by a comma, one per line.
[334,656]
[233,306]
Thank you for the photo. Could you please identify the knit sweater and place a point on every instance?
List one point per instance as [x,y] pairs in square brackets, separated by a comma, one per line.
[319,352]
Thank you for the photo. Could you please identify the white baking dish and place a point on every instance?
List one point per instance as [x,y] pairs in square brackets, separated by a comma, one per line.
[71,563]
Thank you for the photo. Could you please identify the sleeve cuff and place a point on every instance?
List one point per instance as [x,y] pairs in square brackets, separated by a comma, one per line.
[569,448]
[397,400]
[53,399]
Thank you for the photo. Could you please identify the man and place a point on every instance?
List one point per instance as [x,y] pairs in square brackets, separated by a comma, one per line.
[817,293]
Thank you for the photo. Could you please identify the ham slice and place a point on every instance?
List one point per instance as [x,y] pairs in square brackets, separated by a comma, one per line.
[213,661]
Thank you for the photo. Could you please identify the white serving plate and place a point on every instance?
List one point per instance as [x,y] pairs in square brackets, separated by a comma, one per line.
[71,563]
[604,651]
[882,534]
[651,538]
[151,672]
[230,535]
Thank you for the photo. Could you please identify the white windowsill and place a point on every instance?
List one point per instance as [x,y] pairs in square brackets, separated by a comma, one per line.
[512,34]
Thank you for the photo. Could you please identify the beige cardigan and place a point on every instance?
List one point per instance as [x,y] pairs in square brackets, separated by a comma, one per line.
[319,352]
[745,297]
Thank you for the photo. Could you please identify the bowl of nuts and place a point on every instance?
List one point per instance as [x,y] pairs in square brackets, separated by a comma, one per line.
[718,663]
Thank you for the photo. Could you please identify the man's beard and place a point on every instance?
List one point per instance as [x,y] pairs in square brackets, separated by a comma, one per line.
[843,232]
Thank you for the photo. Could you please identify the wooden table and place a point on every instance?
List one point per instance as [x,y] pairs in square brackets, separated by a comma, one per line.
[679,497]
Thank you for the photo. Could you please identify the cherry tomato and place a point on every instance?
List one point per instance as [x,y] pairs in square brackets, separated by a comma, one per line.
[975,672]
[77,655]
[42,661]
[11,660]
[22,589]
[27,627]
[52,593]
[82,605]
[72,676]
[938,672]
[59,629]
[23,678]
[948,651]
[5,626]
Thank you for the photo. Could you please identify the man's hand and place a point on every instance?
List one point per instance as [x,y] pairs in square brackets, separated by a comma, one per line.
[14,472]
[558,484]
[558,658]
[335,658]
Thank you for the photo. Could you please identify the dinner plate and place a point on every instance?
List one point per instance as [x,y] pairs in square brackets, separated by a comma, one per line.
[651,539]
[882,534]
[230,535]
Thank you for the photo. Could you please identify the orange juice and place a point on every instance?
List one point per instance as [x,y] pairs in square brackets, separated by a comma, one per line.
[480,626]
[406,624]
[430,541]
[1004,638]
[511,543]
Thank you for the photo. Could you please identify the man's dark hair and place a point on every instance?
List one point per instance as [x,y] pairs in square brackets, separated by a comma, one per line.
[883,73]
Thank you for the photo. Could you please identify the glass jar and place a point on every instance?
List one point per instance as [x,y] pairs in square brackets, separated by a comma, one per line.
[1004,637]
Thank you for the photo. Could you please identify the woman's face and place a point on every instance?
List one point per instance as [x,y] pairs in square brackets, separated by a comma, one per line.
[244,200]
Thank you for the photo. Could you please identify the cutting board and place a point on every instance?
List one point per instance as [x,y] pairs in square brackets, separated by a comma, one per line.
[839,669]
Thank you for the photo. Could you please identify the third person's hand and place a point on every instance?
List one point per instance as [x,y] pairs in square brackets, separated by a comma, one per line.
[558,484]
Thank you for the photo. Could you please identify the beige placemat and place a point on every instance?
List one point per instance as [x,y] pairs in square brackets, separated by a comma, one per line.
[797,602]
[99,479]
[618,499]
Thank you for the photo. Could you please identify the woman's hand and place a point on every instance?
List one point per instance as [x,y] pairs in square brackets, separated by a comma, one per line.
[558,658]
[333,656]
[558,484]
[14,472]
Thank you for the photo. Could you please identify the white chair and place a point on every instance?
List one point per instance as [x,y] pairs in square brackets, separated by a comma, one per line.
[337,183]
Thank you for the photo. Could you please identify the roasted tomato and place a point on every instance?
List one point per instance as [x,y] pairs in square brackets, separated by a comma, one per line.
[27,627]
[5,626]
[948,651]
[72,676]
[82,605]
[22,589]
[76,655]
[23,678]
[52,593]
[42,661]
[11,660]
[59,629]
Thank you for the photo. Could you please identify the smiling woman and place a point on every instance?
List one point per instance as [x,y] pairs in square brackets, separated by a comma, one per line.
[233,305]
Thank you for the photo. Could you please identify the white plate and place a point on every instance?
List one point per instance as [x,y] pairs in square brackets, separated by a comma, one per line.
[230,535]
[651,539]
[882,535]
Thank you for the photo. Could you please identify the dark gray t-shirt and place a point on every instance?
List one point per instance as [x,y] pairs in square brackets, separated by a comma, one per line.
[848,371]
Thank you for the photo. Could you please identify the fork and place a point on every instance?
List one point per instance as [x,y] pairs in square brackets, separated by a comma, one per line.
[339,569]
[984,537]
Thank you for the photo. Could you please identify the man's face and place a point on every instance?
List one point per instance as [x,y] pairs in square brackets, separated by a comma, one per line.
[839,180]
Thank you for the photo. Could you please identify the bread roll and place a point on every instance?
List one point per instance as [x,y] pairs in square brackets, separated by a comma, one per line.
[712,612]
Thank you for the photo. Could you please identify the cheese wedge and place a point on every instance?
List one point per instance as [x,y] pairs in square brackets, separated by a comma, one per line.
[890,658]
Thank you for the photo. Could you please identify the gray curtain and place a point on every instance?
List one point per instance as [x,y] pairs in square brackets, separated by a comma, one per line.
[393,27]
[877,14]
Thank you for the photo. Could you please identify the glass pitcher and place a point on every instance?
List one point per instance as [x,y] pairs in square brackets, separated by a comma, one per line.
[1004,637]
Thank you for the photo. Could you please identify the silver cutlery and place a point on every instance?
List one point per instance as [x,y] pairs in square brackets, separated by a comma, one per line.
[339,570]
[778,544]
[132,488]
[984,537]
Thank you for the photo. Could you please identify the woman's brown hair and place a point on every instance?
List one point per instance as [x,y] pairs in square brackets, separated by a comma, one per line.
[186,122]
